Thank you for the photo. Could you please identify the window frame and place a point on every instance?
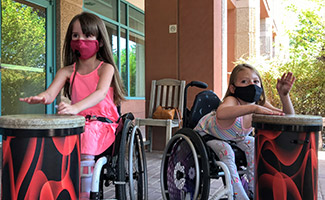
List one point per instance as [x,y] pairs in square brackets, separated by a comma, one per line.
[128,29]
[50,6]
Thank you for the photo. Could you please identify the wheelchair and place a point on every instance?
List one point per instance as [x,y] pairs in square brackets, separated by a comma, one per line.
[189,164]
[122,165]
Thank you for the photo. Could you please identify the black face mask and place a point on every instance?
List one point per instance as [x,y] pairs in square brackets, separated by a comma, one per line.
[251,93]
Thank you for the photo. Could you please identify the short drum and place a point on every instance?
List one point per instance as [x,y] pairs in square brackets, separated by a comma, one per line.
[286,156]
[41,156]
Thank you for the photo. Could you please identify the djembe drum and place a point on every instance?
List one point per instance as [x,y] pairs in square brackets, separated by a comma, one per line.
[41,156]
[286,162]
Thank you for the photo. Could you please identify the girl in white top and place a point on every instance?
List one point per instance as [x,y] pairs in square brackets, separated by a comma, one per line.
[232,121]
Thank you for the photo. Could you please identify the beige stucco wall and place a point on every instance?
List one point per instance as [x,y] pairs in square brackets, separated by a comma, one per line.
[247,28]
[137,3]
[66,10]
[266,38]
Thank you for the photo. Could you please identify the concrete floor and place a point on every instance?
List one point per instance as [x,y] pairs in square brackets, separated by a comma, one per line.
[154,162]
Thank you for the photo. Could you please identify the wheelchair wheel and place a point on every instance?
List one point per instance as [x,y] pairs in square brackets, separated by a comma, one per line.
[136,166]
[132,181]
[185,167]
[120,183]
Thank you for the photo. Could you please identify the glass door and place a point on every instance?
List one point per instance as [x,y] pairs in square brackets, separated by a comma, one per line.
[27,53]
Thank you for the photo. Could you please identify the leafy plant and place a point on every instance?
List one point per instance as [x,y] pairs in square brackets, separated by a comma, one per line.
[306,61]
[23,45]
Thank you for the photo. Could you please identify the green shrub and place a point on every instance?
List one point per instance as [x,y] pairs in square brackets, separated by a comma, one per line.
[306,60]
[17,84]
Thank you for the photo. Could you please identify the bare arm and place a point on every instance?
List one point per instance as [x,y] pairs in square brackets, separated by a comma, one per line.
[106,73]
[283,87]
[48,96]
[230,110]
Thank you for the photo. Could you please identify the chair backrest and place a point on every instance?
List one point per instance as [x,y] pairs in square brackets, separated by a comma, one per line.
[166,93]
[204,102]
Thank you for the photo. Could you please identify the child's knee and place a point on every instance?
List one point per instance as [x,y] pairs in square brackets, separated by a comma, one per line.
[223,150]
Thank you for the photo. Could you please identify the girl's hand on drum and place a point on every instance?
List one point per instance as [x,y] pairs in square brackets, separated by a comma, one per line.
[266,111]
[34,100]
[65,108]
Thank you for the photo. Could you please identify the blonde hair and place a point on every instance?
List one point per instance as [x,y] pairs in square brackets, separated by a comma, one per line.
[92,25]
[233,78]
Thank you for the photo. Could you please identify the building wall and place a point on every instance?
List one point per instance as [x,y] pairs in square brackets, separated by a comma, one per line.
[266,38]
[199,44]
[66,10]
[192,53]
[161,50]
[247,28]
[250,30]
[231,43]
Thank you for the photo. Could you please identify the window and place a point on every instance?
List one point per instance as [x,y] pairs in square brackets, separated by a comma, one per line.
[136,20]
[125,25]
[27,54]
[136,66]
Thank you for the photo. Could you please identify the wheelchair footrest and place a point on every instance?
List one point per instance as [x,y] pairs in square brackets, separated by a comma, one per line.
[94,195]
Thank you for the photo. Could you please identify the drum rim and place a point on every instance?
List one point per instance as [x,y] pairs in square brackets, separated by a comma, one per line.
[41,121]
[27,133]
[293,120]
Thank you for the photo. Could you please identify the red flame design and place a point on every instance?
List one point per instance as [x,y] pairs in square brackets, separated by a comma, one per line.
[286,165]
[26,171]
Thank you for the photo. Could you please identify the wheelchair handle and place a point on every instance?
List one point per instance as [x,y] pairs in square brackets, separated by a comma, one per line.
[198,84]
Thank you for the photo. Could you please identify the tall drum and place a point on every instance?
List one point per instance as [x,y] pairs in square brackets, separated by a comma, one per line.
[41,156]
[286,162]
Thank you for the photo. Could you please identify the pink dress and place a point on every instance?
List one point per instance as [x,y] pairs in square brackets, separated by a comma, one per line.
[98,136]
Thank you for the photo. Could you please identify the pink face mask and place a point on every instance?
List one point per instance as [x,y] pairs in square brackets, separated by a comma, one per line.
[86,48]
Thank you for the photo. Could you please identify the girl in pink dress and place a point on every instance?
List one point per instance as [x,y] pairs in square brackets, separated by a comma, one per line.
[91,81]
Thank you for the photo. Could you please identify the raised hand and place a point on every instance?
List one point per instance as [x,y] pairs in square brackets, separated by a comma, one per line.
[285,84]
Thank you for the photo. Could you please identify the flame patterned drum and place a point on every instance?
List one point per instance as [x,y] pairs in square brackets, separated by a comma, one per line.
[41,156]
[286,162]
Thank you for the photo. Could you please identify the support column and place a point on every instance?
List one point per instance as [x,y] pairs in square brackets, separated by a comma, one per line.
[248,30]
[266,38]
[224,39]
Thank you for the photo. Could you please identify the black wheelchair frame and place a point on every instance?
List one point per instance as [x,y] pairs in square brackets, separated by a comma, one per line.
[123,165]
[188,163]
